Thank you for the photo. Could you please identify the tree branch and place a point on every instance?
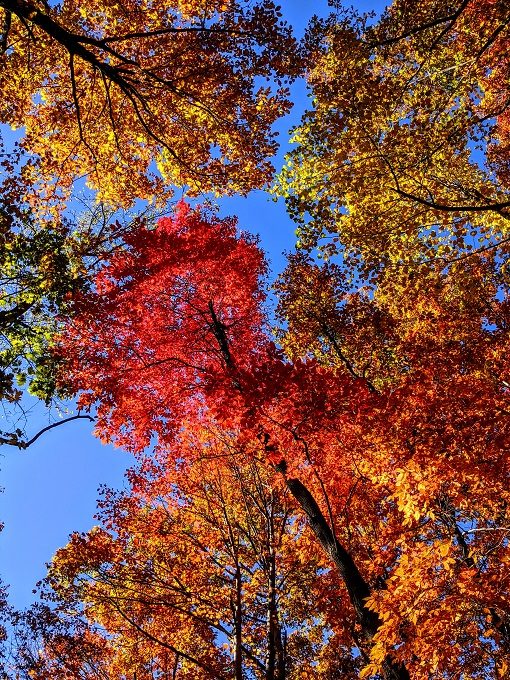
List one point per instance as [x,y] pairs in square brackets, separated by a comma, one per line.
[167,645]
[492,207]
[451,18]
[14,440]
[9,316]
[6,27]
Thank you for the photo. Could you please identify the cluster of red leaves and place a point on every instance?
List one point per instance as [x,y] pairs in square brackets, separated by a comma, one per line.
[191,280]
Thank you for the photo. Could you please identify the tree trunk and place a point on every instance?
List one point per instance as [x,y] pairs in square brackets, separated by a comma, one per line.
[238,625]
[275,658]
[357,588]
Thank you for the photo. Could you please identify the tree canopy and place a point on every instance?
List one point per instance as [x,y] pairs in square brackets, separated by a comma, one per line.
[321,491]
[108,91]
[391,439]
[404,157]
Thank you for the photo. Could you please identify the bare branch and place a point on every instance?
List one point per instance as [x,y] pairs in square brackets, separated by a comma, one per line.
[14,440]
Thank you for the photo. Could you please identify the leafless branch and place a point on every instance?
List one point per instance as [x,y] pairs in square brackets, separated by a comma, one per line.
[14,440]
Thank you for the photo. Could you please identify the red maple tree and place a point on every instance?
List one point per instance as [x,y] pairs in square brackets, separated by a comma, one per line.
[387,417]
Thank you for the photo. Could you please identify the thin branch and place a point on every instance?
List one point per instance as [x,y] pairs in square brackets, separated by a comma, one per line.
[492,207]
[166,645]
[482,529]
[330,336]
[6,27]
[451,18]
[13,440]
[167,31]
[10,316]
[492,39]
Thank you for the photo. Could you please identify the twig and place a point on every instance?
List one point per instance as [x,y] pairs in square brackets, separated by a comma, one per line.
[13,440]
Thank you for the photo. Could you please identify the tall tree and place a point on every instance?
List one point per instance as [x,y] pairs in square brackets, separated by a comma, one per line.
[197,574]
[107,90]
[404,155]
[392,439]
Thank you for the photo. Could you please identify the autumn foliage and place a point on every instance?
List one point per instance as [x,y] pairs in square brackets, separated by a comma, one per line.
[404,158]
[205,571]
[109,90]
[322,490]
[390,416]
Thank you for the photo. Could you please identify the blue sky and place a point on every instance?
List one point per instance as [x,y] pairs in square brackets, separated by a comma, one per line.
[51,489]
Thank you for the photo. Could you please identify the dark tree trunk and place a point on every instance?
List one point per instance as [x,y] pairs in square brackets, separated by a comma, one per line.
[357,588]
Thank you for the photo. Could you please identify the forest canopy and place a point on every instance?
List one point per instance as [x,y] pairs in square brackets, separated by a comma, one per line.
[321,478]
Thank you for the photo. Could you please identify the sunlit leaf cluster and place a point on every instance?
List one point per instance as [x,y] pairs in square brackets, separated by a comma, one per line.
[139,96]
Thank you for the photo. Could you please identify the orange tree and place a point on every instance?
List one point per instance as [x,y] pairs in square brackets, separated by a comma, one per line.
[198,572]
[110,90]
[387,419]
